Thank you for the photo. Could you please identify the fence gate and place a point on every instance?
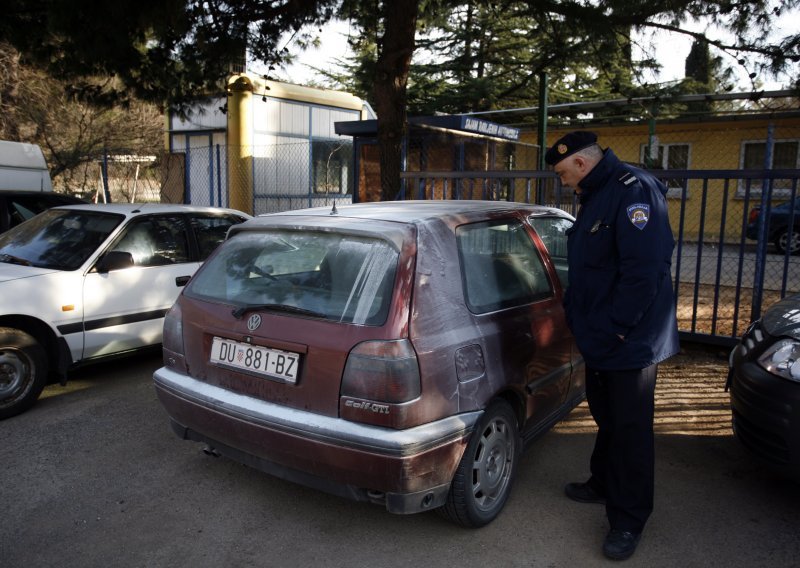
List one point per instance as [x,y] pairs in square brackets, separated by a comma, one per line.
[726,268]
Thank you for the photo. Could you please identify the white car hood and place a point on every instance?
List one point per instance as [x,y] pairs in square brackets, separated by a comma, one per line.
[17,271]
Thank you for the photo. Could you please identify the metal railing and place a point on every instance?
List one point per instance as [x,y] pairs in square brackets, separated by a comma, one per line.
[723,277]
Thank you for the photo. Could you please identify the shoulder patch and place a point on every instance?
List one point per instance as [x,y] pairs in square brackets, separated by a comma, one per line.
[639,214]
[628,178]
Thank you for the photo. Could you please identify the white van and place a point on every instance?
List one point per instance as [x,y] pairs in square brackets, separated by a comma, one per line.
[22,167]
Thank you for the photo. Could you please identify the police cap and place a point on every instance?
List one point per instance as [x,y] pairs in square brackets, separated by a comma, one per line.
[569,144]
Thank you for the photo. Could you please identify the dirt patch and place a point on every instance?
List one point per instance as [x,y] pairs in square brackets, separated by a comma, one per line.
[718,311]
[690,396]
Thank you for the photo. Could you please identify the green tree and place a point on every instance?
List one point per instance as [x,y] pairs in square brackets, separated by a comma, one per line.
[487,55]
[703,74]
[390,28]
[483,56]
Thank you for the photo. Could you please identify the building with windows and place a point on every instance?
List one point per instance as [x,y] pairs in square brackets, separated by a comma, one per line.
[442,145]
[726,139]
[263,146]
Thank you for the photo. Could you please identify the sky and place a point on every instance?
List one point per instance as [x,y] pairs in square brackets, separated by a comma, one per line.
[670,51]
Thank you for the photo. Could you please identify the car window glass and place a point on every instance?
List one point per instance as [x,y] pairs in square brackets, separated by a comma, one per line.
[335,276]
[210,231]
[155,241]
[553,232]
[500,266]
[58,238]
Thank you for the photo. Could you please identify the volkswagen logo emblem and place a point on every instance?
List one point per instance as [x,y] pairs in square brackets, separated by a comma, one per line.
[253,322]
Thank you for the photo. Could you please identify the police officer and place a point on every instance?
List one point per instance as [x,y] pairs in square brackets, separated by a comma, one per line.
[621,310]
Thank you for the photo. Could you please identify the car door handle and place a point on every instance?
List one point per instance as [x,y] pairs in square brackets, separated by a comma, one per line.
[181,280]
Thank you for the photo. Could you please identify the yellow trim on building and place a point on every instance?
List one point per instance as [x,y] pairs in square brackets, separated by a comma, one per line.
[300,93]
[713,145]
[242,89]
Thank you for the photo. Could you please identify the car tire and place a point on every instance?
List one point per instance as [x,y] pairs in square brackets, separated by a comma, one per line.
[23,371]
[788,238]
[484,477]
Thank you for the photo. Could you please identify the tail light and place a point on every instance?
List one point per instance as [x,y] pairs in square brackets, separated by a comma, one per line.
[384,371]
[753,217]
[173,330]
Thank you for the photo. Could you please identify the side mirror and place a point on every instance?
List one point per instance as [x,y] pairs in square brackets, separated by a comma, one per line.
[114,260]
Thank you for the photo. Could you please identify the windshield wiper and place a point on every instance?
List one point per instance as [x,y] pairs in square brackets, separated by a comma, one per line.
[241,310]
[11,259]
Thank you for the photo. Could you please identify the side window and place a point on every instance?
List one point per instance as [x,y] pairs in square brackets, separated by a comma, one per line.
[553,232]
[210,232]
[669,157]
[155,241]
[500,266]
[785,155]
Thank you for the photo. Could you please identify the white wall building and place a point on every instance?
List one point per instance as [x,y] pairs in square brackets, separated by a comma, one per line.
[267,146]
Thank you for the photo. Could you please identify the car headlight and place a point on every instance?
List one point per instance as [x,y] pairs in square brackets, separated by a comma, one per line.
[783,359]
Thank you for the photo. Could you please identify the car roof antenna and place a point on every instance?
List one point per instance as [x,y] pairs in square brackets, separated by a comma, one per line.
[334,211]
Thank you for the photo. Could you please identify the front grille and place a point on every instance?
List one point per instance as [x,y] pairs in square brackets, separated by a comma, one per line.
[766,444]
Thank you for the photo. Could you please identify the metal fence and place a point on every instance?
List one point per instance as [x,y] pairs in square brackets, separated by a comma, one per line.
[118,175]
[723,276]
[283,177]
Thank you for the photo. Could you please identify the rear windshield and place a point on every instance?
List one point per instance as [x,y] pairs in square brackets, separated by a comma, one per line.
[335,276]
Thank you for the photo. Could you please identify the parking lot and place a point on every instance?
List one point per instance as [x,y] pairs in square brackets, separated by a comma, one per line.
[93,476]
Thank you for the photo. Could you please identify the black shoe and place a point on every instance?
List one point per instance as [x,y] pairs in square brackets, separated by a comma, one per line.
[620,545]
[583,493]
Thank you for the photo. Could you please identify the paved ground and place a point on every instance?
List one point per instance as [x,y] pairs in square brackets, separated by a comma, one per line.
[93,477]
[736,267]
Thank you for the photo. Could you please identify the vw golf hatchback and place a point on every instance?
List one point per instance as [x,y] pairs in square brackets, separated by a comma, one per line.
[399,353]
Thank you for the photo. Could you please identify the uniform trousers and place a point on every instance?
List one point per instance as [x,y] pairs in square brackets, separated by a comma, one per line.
[623,460]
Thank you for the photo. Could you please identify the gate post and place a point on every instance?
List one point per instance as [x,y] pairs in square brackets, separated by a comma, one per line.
[542,135]
[240,139]
[761,249]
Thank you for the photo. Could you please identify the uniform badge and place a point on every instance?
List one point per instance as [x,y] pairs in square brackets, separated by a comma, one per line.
[562,148]
[639,214]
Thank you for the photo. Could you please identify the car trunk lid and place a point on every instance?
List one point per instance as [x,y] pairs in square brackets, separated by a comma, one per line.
[275,313]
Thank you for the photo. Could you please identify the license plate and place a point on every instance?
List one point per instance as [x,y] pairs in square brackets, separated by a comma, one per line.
[255,359]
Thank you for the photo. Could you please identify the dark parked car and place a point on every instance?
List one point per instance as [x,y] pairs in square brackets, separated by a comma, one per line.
[398,353]
[783,226]
[765,387]
[19,206]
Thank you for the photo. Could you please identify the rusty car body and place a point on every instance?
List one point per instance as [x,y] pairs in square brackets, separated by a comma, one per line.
[400,353]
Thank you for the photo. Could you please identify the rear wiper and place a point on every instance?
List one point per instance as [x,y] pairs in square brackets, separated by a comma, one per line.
[241,310]
[11,259]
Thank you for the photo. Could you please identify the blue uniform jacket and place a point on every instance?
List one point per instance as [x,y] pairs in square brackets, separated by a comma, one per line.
[620,252]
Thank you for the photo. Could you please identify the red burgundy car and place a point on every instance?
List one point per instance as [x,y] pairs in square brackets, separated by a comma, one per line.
[400,353]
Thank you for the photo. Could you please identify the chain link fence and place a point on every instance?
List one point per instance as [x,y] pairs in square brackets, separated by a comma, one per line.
[727,183]
[257,179]
[723,271]
[724,189]
[267,178]
[116,176]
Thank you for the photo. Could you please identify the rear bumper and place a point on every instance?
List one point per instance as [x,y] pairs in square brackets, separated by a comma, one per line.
[408,470]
